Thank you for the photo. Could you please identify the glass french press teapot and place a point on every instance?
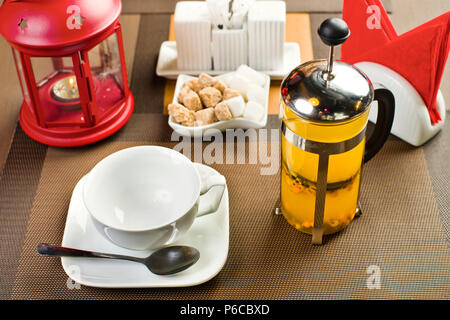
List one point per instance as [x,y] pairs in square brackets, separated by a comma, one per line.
[324,109]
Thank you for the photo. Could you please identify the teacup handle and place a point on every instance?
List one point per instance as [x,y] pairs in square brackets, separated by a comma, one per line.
[212,181]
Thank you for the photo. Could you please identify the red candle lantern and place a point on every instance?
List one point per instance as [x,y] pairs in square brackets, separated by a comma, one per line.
[71,66]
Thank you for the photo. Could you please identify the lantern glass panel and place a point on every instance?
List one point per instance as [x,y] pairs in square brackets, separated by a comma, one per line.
[106,69]
[23,84]
[57,89]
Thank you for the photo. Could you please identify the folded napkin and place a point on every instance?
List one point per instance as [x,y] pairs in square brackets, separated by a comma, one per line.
[419,55]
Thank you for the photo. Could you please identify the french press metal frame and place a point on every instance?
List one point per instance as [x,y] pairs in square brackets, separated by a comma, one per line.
[334,32]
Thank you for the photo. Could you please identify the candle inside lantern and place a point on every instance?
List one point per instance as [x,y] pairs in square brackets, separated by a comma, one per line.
[66,90]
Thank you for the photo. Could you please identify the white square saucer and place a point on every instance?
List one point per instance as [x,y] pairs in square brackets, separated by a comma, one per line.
[167,66]
[209,234]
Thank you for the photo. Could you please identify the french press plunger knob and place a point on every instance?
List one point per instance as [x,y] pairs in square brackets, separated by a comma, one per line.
[333,32]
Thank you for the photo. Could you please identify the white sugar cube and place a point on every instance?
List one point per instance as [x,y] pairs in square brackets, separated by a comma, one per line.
[254,111]
[236,106]
[240,84]
[226,78]
[256,93]
[251,75]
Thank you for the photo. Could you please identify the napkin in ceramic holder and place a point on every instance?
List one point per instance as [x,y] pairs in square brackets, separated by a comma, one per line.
[411,120]
[410,66]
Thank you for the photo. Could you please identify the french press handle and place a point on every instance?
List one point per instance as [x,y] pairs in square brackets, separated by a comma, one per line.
[385,118]
[334,32]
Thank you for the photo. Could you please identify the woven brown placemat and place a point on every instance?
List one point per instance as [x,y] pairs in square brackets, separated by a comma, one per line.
[437,153]
[399,231]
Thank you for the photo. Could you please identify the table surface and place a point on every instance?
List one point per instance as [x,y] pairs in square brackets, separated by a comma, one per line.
[404,230]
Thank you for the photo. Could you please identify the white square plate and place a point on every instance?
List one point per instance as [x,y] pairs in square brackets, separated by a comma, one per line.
[209,234]
[167,66]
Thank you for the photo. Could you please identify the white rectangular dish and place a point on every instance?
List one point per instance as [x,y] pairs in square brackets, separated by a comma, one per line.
[167,65]
[209,234]
[235,123]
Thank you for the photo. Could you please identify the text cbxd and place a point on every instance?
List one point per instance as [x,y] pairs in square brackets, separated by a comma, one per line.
[246,309]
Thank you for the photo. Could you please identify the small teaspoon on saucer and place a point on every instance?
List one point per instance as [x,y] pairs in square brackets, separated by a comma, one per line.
[164,261]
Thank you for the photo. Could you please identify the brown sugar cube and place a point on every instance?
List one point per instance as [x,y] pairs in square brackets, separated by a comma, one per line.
[181,114]
[230,93]
[194,84]
[219,85]
[222,111]
[205,80]
[205,116]
[192,101]
[187,84]
[210,97]
[183,92]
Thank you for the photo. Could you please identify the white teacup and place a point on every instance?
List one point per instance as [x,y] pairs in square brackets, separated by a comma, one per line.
[147,197]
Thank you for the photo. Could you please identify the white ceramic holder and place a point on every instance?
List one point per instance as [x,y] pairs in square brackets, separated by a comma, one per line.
[192,24]
[266,34]
[411,120]
[230,48]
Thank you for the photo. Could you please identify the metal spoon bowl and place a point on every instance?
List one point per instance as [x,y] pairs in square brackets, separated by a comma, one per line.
[164,261]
